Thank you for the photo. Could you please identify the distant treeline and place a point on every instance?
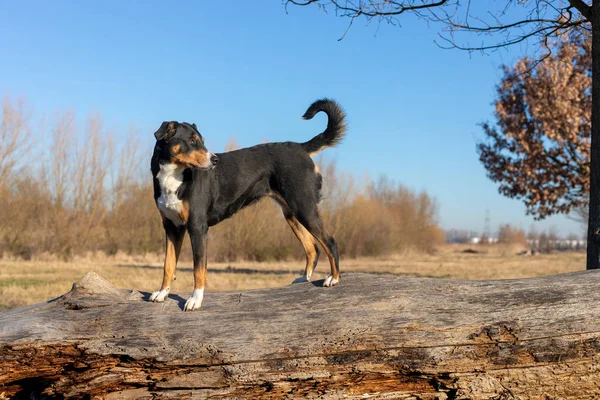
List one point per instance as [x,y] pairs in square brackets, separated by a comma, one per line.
[67,191]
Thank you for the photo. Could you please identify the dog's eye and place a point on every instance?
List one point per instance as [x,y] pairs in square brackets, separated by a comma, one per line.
[192,140]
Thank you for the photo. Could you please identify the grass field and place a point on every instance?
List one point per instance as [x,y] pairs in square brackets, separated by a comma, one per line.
[29,282]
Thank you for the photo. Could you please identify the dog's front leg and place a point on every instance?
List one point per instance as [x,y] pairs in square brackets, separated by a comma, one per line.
[175,237]
[198,231]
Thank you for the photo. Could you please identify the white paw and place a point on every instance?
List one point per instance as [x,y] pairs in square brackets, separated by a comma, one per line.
[302,279]
[195,301]
[160,296]
[330,281]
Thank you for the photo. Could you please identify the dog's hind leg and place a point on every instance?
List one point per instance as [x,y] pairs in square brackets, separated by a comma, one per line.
[308,242]
[311,220]
[174,241]
[306,239]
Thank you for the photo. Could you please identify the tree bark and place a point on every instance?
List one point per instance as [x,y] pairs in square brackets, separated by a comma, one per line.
[593,242]
[381,336]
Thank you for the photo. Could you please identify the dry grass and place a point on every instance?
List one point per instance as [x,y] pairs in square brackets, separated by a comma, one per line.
[29,282]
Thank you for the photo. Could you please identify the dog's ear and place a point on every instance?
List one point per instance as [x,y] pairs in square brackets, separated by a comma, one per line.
[195,127]
[166,130]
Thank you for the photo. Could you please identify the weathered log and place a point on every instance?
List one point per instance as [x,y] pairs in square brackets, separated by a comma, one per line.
[375,336]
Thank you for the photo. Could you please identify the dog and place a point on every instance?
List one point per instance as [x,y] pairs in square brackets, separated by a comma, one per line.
[195,189]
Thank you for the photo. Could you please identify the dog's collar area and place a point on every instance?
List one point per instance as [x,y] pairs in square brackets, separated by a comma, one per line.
[170,168]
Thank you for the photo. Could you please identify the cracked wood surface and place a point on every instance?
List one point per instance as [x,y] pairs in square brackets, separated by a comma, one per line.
[374,336]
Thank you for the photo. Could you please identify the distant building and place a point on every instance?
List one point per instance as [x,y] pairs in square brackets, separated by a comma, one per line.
[483,240]
[459,235]
[557,244]
[472,237]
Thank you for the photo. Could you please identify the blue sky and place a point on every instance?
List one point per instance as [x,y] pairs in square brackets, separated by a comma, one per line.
[249,70]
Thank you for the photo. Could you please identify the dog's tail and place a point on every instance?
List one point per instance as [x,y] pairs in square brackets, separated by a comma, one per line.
[336,126]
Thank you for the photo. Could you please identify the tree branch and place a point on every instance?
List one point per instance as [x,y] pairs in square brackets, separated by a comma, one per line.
[583,8]
[546,31]
[543,21]
[372,9]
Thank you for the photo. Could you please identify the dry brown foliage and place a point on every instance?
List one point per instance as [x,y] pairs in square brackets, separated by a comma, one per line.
[508,234]
[87,194]
[540,149]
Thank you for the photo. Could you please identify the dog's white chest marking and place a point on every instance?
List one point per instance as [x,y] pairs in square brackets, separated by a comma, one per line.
[170,177]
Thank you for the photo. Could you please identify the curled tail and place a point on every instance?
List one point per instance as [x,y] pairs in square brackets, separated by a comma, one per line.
[336,126]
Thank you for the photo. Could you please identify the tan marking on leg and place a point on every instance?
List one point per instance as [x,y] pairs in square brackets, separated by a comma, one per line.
[310,247]
[200,276]
[195,300]
[184,214]
[334,271]
[303,235]
[200,270]
[173,249]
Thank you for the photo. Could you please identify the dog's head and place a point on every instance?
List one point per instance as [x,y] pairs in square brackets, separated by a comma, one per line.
[181,144]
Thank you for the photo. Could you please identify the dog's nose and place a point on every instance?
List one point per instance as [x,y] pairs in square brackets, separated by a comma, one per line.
[214,159]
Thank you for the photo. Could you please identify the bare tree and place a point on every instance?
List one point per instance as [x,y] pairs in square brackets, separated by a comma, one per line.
[127,170]
[14,135]
[59,169]
[495,26]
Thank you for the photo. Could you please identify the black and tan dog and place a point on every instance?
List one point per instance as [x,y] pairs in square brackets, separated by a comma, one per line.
[195,189]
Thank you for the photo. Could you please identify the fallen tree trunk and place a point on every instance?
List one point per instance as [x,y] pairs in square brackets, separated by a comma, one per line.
[373,335]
